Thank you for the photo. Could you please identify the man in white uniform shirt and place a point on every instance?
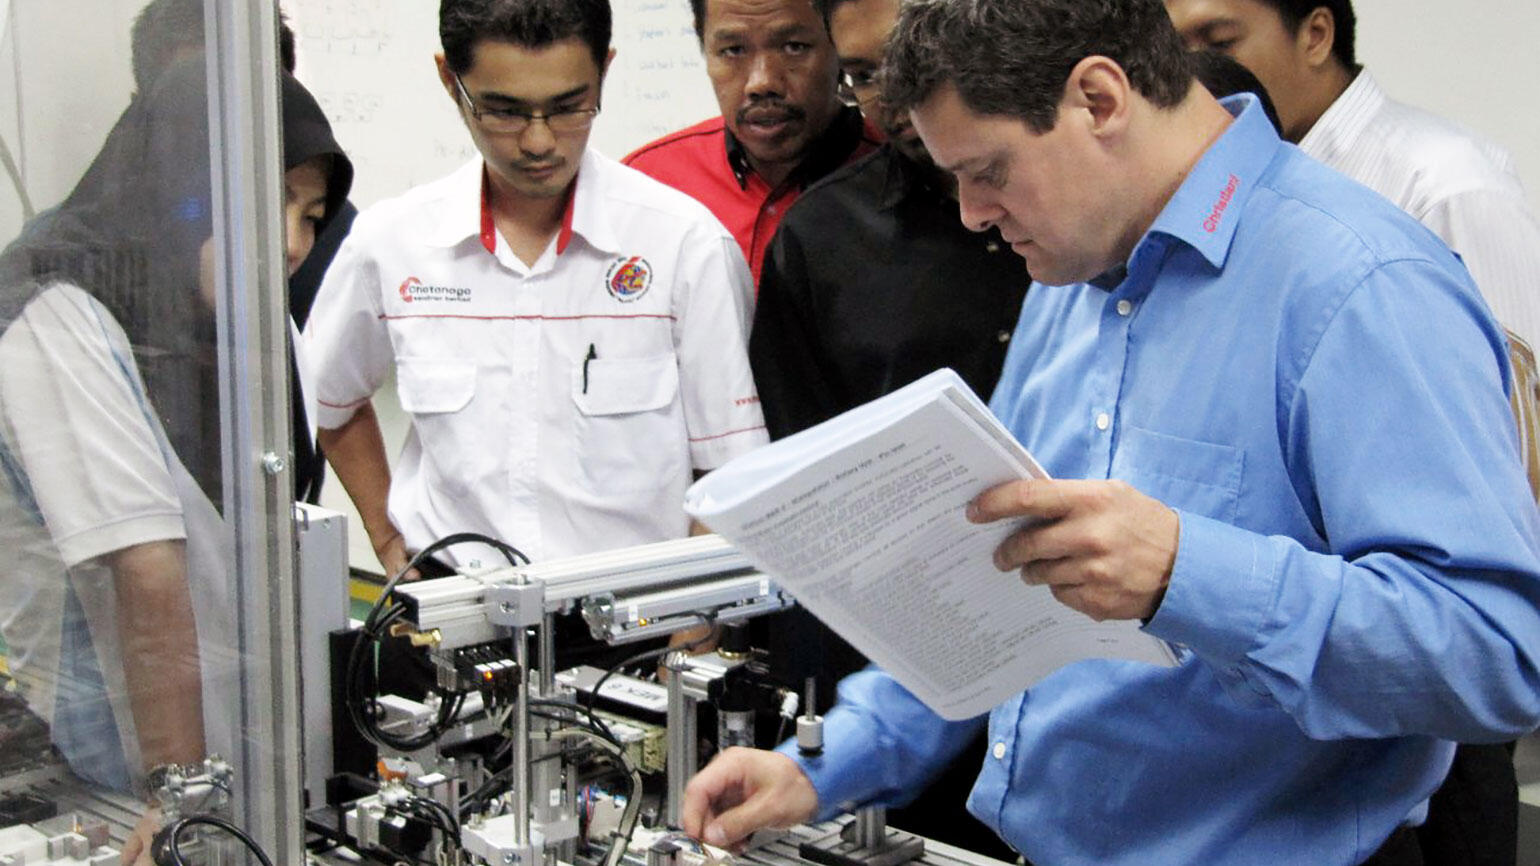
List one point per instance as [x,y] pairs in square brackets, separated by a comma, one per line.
[568,335]
[1461,186]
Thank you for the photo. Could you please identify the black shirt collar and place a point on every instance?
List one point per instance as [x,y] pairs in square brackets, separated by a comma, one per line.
[827,152]
[907,178]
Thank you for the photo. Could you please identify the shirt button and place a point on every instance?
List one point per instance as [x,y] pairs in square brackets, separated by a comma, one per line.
[1103,421]
[1004,337]
[1125,307]
[999,751]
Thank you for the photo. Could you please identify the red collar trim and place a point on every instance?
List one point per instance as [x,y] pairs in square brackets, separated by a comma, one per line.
[564,236]
[489,228]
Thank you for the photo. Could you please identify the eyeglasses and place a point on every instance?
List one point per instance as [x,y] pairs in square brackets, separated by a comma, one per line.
[856,89]
[512,121]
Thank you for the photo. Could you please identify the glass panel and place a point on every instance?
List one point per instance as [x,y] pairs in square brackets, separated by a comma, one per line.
[129,584]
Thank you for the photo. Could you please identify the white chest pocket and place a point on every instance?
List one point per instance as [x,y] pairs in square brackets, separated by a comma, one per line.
[630,432]
[430,387]
[450,421]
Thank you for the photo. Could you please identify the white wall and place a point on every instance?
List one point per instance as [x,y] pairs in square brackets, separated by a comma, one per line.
[64,80]
[1470,61]
[1474,62]
[370,65]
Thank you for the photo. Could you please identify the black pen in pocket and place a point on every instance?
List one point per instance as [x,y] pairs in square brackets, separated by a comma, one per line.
[592,354]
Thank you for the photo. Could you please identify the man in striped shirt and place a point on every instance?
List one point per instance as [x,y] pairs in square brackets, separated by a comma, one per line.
[1458,184]
[1462,187]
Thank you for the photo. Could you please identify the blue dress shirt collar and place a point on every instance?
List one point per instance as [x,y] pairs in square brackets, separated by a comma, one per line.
[1206,208]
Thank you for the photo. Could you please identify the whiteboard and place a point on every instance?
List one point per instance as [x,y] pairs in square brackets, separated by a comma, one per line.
[370,65]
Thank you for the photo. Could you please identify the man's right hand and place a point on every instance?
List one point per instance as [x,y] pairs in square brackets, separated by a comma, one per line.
[744,790]
[356,451]
[394,557]
[136,848]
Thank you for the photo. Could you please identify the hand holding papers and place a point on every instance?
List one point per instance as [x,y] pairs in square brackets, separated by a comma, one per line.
[862,519]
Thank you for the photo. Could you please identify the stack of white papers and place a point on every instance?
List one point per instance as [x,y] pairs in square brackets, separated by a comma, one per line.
[862,519]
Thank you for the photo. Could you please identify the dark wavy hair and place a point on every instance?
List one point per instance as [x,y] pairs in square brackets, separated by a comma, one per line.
[462,24]
[1013,57]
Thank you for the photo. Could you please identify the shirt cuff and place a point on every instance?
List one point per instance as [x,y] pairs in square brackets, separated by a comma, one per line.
[713,451]
[330,416]
[1222,585]
[836,774]
[119,535]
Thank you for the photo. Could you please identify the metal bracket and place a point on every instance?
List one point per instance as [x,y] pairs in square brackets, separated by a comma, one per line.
[515,605]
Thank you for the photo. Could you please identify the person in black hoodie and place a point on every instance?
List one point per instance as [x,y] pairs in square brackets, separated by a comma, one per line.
[313,162]
[115,603]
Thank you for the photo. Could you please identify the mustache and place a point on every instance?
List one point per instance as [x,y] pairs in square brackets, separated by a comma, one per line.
[770,110]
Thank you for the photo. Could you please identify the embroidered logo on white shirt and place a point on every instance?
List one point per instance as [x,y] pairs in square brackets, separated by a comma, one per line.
[628,278]
[413,289]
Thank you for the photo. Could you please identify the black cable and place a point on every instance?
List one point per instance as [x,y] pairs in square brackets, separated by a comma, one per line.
[171,837]
[356,686]
[706,619]
[451,823]
[432,819]
[511,553]
[594,723]
[439,816]
[514,556]
[497,780]
[329,836]
[352,687]
[359,682]
[484,791]
[578,721]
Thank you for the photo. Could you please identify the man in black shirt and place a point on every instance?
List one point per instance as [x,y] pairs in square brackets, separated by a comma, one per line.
[871,282]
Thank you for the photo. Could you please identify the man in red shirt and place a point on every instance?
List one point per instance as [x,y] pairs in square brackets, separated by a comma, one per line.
[782,126]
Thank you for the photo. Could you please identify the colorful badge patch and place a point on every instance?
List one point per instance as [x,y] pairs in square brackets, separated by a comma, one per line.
[629,278]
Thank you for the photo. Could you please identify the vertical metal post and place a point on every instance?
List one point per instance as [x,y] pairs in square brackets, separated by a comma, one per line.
[682,737]
[242,51]
[520,756]
[547,656]
[871,827]
[547,774]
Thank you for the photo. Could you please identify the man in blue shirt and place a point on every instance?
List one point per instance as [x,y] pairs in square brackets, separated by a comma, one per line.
[1282,402]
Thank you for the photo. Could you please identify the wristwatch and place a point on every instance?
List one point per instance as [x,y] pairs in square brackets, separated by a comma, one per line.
[160,777]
